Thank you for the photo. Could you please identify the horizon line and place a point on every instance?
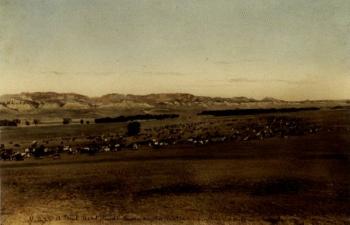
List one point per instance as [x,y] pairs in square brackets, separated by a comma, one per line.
[184,93]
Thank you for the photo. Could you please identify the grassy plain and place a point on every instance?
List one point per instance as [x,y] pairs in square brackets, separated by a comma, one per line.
[294,180]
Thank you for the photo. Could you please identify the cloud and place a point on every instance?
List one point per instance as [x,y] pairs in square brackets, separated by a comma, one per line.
[89,73]
[245,80]
[57,73]
[234,61]
[109,73]
[161,73]
[223,62]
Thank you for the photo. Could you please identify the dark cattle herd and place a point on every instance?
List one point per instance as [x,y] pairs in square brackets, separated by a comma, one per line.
[191,133]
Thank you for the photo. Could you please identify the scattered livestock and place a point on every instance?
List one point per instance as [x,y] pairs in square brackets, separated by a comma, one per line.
[9,154]
[195,133]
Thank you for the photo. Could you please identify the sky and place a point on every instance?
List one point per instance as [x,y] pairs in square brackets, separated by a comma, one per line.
[292,50]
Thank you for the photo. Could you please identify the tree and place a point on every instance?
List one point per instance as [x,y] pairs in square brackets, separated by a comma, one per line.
[134,128]
[39,151]
[66,120]
[36,121]
[17,121]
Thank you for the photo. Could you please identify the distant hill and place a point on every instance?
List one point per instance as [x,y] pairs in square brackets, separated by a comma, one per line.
[112,104]
[52,100]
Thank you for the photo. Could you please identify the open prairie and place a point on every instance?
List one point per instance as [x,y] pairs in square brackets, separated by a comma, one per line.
[170,112]
[279,179]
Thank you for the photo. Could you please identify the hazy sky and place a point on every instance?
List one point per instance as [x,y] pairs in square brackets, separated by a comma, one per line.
[289,49]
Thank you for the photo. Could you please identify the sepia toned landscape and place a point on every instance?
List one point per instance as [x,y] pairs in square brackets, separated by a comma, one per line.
[174,112]
[281,163]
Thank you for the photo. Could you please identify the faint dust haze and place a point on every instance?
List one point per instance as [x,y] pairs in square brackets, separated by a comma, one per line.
[292,50]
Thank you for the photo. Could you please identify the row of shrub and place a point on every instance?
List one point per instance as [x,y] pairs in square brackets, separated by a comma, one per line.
[237,112]
[9,123]
[16,122]
[135,117]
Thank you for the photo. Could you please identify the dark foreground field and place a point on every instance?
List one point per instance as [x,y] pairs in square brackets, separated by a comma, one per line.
[294,180]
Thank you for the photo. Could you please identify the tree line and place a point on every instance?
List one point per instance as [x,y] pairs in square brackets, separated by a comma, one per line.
[237,112]
[135,117]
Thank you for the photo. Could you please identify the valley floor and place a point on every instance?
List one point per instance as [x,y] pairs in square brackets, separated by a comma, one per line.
[295,180]
[302,178]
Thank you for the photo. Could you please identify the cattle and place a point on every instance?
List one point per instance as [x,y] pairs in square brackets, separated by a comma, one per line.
[159,137]
[56,156]
[6,154]
[17,156]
